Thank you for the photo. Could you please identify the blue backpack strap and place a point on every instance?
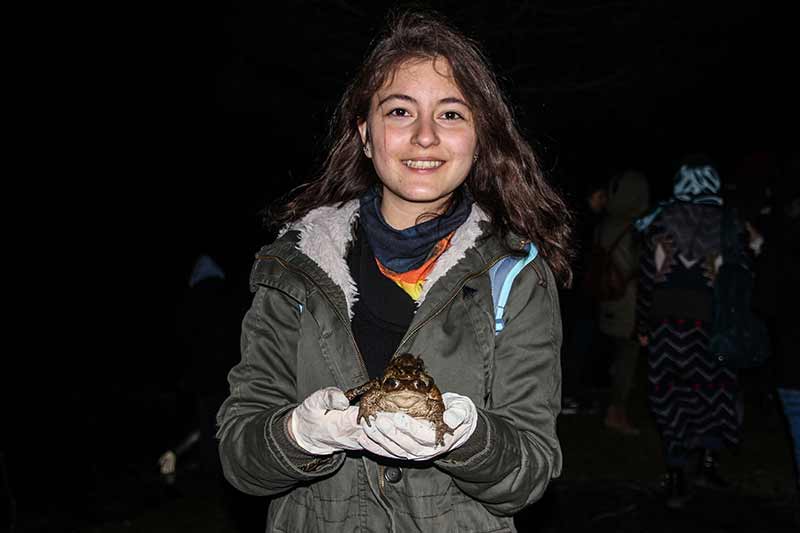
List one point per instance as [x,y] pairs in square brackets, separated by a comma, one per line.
[502,276]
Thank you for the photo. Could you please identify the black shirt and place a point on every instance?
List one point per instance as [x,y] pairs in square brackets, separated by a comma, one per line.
[383,312]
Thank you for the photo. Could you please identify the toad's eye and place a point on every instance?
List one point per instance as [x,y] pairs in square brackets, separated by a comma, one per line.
[391,384]
[420,385]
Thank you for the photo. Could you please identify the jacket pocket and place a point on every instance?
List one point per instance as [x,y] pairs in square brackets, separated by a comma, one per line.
[472,517]
[294,513]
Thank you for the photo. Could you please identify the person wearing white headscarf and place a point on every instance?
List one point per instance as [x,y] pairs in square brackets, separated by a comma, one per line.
[692,395]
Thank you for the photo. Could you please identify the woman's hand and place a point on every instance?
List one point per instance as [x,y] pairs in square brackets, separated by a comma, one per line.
[399,436]
[325,423]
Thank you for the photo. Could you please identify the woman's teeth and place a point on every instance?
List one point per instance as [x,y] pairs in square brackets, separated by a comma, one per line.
[410,163]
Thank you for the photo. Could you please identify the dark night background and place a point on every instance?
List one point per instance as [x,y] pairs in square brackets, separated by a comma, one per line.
[226,109]
[598,87]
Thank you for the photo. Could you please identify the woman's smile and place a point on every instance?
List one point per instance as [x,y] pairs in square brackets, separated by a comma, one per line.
[423,164]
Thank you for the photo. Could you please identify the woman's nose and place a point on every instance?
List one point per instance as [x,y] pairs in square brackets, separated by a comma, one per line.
[425,133]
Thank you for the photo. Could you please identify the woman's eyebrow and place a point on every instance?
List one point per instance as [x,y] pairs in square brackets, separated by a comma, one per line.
[453,100]
[406,98]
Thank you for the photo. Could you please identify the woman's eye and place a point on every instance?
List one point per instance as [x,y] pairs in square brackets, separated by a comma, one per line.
[452,115]
[398,112]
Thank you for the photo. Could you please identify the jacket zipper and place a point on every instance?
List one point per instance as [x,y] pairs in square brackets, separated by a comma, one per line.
[419,326]
[345,323]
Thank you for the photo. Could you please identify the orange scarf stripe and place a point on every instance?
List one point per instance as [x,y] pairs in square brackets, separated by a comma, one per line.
[412,281]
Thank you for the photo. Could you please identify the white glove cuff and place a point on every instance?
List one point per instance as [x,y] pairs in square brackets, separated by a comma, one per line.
[307,444]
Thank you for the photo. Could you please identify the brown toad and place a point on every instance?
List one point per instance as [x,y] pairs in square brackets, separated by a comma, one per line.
[404,388]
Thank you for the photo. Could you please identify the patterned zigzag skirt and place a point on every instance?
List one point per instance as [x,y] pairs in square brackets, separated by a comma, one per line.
[692,397]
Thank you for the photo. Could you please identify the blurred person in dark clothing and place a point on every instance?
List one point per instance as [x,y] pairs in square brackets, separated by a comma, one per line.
[207,326]
[765,225]
[578,304]
[207,337]
[786,244]
[788,360]
[628,199]
[692,395]
[594,207]
[756,195]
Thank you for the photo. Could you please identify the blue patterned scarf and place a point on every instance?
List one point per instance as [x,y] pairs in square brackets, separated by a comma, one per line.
[404,250]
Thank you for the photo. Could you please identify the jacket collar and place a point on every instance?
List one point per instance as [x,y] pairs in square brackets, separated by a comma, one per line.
[325,234]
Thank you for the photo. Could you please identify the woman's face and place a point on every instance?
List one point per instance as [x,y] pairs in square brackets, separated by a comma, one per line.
[420,135]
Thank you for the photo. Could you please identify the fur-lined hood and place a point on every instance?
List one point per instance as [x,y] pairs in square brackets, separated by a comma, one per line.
[325,234]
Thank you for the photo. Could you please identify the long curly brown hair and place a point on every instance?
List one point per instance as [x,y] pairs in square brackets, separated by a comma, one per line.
[505,181]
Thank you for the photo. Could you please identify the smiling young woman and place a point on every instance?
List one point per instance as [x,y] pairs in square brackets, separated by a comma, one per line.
[505,179]
[420,135]
[427,186]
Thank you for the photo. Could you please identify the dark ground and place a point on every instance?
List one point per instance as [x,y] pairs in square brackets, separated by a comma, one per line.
[609,483]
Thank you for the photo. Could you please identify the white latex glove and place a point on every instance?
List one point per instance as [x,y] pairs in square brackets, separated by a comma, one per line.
[325,423]
[399,436]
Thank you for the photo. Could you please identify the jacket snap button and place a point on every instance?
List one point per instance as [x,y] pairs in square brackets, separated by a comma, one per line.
[392,474]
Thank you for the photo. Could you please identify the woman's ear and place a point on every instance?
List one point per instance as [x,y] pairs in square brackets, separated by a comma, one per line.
[363,131]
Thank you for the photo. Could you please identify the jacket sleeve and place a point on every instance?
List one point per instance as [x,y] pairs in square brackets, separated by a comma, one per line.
[258,457]
[519,452]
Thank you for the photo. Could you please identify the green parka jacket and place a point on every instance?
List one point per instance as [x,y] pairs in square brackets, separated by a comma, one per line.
[296,338]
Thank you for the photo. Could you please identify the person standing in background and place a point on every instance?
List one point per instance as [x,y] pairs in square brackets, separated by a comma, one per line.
[207,335]
[787,359]
[692,395]
[579,306]
[628,199]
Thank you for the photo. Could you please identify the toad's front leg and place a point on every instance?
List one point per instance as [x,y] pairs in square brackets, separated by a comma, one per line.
[355,392]
[368,406]
[437,417]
